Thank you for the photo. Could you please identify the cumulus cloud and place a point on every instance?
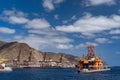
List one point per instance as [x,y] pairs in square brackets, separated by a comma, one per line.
[102,40]
[17,20]
[43,42]
[14,12]
[40,34]
[19,17]
[50,4]
[65,21]
[115,37]
[91,24]
[38,24]
[87,35]
[99,2]
[53,39]
[64,46]
[5,30]
[115,31]
[18,37]
[83,45]
[48,32]
[14,16]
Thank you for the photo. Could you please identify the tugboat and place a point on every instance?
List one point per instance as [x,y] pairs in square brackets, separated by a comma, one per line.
[3,67]
[91,63]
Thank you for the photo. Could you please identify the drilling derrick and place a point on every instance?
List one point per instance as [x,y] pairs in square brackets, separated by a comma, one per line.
[91,51]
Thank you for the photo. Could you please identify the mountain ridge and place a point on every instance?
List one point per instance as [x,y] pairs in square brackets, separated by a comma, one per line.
[23,52]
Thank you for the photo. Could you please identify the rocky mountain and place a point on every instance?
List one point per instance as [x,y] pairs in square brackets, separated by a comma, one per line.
[14,51]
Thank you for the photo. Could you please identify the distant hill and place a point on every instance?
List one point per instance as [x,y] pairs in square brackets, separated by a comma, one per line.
[14,51]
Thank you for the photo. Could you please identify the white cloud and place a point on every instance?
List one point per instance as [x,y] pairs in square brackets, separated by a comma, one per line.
[18,17]
[65,21]
[17,20]
[61,40]
[87,35]
[115,37]
[115,31]
[84,45]
[68,28]
[47,31]
[91,24]
[99,2]
[35,41]
[64,46]
[5,30]
[102,40]
[44,42]
[57,1]
[50,37]
[56,16]
[14,12]
[37,24]
[91,43]
[80,46]
[18,37]
[14,16]
[73,17]
[50,4]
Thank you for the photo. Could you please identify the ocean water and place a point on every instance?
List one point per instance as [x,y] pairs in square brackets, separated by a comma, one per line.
[59,74]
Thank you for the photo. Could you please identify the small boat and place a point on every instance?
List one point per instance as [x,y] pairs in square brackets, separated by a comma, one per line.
[3,68]
[91,63]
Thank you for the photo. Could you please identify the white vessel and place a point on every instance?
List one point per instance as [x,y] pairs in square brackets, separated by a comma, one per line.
[3,68]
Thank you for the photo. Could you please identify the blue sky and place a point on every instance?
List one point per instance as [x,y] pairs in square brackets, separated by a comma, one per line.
[64,25]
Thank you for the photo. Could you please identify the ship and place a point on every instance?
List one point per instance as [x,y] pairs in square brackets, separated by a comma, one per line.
[91,63]
[3,67]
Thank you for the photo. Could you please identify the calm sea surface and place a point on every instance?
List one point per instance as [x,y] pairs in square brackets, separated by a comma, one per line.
[58,74]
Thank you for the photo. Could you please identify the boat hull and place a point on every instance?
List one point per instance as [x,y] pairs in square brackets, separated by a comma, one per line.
[93,71]
[6,69]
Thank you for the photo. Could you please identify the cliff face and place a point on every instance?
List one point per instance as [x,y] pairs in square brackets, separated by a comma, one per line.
[22,52]
[19,51]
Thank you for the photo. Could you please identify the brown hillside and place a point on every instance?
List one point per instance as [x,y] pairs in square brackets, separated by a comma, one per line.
[13,50]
